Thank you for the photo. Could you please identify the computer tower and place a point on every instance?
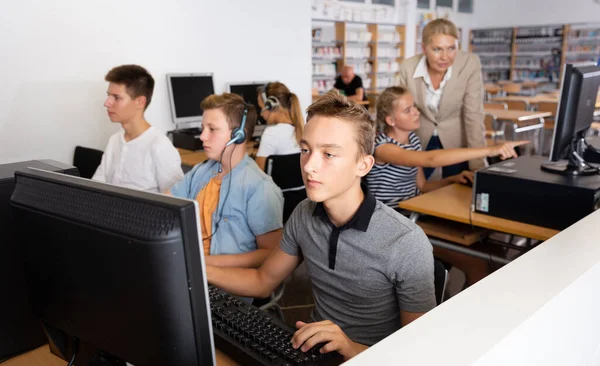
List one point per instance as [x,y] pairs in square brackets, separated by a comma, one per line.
[19,330]
[519,190]
[188,139]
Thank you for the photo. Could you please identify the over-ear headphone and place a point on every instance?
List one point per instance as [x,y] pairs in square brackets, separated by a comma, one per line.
[238,134]
[270,102]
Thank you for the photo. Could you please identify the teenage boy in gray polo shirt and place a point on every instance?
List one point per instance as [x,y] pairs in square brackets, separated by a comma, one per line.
[371,268]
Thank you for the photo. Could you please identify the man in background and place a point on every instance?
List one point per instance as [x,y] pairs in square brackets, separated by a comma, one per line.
[350,84]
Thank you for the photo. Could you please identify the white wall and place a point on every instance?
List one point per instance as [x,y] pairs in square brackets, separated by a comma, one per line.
[55,55]
[512,13]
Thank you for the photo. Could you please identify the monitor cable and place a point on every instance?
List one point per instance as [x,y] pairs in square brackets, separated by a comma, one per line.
[226,194]
[75,349]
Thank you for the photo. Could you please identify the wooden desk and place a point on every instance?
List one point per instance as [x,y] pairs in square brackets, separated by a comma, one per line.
[453,203]
[191,158]
[183,151]
[516,116]
[42,357]
[528,99]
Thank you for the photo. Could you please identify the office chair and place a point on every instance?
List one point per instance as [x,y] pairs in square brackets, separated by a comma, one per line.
[87,161]
[285,172]
[440,279]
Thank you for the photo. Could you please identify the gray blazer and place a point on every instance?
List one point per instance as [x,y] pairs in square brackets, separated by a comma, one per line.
[460,116]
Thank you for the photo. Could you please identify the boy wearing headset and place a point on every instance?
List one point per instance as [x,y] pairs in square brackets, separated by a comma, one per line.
[240,206]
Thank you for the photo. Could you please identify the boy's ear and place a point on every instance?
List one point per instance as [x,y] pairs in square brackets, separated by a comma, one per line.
[141,102]
[365,164]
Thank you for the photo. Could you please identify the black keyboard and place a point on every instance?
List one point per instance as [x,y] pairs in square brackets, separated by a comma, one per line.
[251,336]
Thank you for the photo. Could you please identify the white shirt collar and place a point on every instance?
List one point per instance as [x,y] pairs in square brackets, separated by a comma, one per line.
[421,72]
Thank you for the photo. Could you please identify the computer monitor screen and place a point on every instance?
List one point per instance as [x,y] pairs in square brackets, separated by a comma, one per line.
[575,113]
[186,92]
[113,271]
[249,91]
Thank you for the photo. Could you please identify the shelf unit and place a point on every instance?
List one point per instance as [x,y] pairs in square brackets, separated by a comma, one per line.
[375,51]
[530,50]
[583,43]
[537,53]
[494,48]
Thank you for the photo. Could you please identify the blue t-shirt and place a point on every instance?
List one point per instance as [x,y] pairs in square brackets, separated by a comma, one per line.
[253,207]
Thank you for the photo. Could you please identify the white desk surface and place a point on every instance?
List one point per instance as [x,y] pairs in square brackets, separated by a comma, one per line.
[512,316]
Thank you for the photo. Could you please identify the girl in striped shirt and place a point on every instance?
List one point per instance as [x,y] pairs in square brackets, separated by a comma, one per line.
[399,161]
[398,170]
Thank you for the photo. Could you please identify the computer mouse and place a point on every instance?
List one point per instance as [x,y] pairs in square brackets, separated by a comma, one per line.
[468,183]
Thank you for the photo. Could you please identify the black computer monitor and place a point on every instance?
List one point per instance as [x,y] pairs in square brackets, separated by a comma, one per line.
[186,92]
[20,331]
[249,91]
[575,113]
[113,273]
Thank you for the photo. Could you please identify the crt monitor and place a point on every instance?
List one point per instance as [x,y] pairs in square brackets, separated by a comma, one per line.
[186,92]
[113,273]
[249,91]
[574,116]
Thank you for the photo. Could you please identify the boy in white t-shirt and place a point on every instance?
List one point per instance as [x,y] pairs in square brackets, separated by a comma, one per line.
[140,157]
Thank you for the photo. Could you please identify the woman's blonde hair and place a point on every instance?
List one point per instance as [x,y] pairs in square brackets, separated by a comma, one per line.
[439,26]
[385,104]
[289,101]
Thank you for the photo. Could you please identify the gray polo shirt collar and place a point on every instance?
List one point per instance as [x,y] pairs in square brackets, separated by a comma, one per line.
[360,221]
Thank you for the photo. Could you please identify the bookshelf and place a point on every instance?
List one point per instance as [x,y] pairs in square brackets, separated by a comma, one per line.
[494,48]
[374,50]
[534,53]
[583,43]
[535,50]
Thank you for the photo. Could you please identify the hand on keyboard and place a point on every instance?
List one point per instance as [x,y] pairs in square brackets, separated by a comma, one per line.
[252,337]
[327,333]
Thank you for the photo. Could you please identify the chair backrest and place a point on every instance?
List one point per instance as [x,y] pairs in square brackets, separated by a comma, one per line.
[491,90]
[489,122]
[551,107]
[517,105]
[495,105]
[440,278]
[286,173]
[87,160]
[512,88]
[547,107]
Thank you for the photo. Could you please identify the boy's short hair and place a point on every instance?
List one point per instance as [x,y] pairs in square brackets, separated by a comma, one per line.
[335,105]
[385,104]
[137,80]
[232,106]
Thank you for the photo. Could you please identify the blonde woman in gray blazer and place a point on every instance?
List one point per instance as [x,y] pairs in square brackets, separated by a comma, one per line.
[448,91]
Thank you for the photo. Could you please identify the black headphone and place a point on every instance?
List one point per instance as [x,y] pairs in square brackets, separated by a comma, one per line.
[238,134]
[270,102]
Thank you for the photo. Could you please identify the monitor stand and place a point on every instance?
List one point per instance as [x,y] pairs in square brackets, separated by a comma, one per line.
[565,167]
[576,165]
[105,360]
